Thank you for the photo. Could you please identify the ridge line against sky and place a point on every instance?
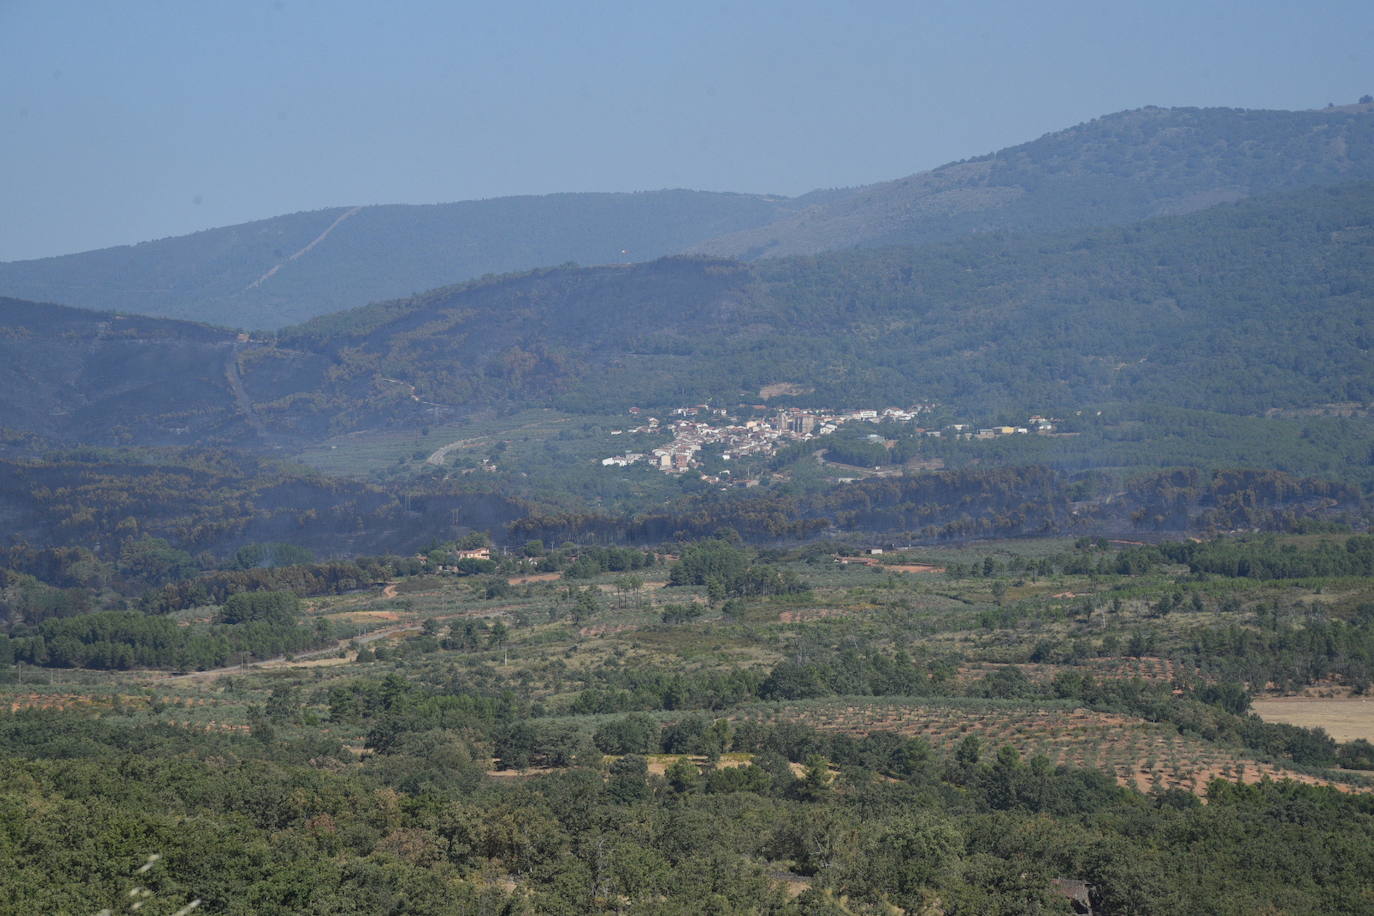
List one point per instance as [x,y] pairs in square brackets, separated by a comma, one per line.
[129,122]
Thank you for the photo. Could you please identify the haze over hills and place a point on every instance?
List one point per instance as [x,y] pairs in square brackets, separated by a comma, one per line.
[1116,169]
[1241,308]
[287,269]
[82,376]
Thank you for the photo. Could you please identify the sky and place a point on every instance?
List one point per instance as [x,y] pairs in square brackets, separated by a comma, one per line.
[128,120]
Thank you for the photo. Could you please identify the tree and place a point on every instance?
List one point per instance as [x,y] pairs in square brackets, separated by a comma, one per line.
[585,606]
[814,785]
[271,607]
[636,733]
[682,776]
[628,781]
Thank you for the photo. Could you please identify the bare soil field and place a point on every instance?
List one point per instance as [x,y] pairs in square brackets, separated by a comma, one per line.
[1344,718]
[535,577]
[364,616]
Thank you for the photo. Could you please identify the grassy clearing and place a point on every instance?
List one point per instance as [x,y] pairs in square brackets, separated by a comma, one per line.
[363,454]
[1343,718]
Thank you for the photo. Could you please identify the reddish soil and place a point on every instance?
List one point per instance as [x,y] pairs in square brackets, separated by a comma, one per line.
[535,577]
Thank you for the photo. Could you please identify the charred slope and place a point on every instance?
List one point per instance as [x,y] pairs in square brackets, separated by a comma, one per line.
[217,501]
[76,375]
[971,505]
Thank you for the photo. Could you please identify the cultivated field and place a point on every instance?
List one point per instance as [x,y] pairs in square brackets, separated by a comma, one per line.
[1145,755]
[1344,718]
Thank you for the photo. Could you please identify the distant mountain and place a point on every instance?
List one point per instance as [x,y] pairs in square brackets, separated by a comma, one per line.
[1113,170]
[279,271]
[1268,303]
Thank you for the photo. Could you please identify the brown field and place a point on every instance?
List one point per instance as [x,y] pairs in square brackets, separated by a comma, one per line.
[658,765]
[535,577]
[889,567]
[1136,752]
[64,701]
[364,616]
[1344,718]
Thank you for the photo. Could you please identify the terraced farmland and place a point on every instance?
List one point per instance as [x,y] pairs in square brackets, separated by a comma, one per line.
[1145,755]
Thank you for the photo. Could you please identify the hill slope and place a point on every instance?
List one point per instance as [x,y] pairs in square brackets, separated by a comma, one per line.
[1241,308]
[274,272]
[1116,169]
[1264,304]
[77,375]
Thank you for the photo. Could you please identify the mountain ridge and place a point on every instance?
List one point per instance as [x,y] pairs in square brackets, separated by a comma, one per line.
[1241,308]
[1115,169]
[277,271]
[1112,170]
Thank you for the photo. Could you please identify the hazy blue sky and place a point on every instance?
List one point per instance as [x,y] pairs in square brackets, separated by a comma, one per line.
[125,121]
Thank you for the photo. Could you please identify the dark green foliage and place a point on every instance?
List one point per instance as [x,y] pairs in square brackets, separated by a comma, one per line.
[847,673]
[252,556]
[317,579]
[592,561]
[634,734]
[270,607]
[1265,559]
[128,639]
[727,570]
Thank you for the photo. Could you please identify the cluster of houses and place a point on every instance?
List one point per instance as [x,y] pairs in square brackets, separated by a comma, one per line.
[758,435]
[762,431]
[1033,425]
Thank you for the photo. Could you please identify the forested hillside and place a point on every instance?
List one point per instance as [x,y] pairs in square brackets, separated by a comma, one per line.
[1242,308]
[1113,170]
